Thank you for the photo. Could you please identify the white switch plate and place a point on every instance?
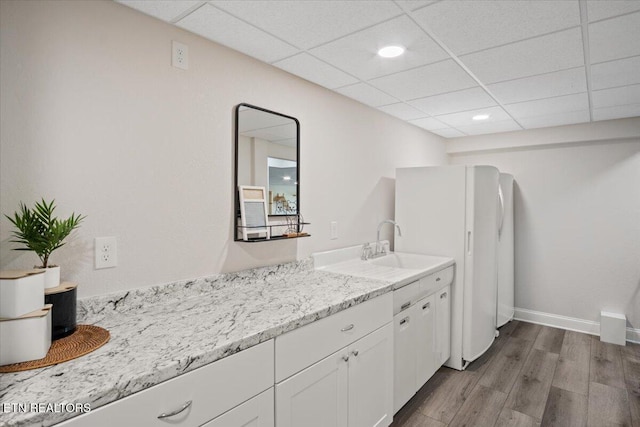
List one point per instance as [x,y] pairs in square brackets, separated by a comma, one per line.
[334,230]
[179,55]
[106,252]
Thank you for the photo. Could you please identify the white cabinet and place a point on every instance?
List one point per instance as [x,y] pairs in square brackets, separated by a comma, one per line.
[256,412]
[195,397]
[404,358]
[443,325]
[371,379]
[352,387]
[422,330]
[427,329]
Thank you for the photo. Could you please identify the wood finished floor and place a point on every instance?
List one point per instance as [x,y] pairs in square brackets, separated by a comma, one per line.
[534,375]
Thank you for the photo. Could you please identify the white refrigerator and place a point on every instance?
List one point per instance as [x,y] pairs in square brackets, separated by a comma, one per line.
[506,280]
[453,211]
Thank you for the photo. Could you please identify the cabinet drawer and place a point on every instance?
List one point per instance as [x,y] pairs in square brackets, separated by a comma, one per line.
[405,296]
[302,347]
[212,390]
[436,281]
[257,412]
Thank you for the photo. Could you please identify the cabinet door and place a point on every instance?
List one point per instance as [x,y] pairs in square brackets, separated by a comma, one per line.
[371,379]
[256,412]
[316,396]
[404,357]
[425,346]
[443,325]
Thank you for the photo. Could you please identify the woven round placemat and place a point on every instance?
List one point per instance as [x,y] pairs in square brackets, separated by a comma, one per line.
[85,339]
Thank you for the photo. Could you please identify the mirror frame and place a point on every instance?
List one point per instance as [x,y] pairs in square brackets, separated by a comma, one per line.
[236,197]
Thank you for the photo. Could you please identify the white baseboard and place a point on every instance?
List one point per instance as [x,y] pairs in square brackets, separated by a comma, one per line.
[568,323]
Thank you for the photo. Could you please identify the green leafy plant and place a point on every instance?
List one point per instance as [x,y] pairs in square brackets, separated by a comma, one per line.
[39,231]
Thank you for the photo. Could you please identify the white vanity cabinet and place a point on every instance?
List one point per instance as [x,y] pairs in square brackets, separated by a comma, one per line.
[199,396]
[422,328]
[352,386]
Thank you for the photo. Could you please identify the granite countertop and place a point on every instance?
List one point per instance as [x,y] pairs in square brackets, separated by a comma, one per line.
[160,332]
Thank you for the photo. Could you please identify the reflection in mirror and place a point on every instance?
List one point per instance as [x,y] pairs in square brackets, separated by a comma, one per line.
[282,186]
[267,149]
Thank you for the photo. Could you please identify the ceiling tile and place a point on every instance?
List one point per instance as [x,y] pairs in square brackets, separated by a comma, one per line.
[403,111]
[557,119]
[222,28]
[456,120]
[448,133]
[167,10]
[615,38]
[618,112]
[367,94]
[615,73]
[429,124]
[445,76]
[556,105]
[469,26]
[553,52]
[309,23]
[490,127]
[546,85]
[598,9]
[414,4]
[462,100]
[617,96]
[357,53]
[314,70]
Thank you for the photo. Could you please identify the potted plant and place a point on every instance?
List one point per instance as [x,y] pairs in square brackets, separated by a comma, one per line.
[39,231]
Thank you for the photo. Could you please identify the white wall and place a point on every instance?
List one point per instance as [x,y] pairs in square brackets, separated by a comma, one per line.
[93,115]
[577,216]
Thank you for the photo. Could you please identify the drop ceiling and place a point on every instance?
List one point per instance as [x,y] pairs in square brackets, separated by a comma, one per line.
[528,64]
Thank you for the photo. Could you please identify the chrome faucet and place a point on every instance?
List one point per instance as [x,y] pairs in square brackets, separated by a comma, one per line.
[380,251]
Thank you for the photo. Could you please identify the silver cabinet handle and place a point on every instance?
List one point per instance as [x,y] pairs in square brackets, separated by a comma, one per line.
[443,295]
[405,305]
[345,357]
[355,352]
[176,412]
[427,305]
[347,328]
[405,320]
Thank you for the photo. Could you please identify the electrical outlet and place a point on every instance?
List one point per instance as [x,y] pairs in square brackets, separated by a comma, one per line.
[179,55]
[106,253]
[334,230]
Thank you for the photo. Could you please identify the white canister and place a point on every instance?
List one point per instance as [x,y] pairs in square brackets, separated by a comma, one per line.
[26,338]
[21,292]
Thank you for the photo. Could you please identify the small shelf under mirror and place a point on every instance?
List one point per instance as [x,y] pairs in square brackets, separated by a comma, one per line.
[276,233]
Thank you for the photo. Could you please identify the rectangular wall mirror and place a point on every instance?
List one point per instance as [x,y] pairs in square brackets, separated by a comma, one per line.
[267,152]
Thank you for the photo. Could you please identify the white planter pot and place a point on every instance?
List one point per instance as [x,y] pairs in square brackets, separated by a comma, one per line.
[52,277]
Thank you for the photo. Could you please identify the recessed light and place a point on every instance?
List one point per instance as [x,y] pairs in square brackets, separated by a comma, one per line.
[480,117]
[286,178]
[391,51]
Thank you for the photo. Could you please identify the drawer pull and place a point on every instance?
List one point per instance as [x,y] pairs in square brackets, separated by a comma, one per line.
[345,357]
[443,295]
[347,328]
[405,320]
[427,305]
[405,305]
[355,352]
[176,412]
[437,279]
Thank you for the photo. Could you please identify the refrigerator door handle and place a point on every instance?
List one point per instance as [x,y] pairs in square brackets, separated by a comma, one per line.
[501,198]
[468,242]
